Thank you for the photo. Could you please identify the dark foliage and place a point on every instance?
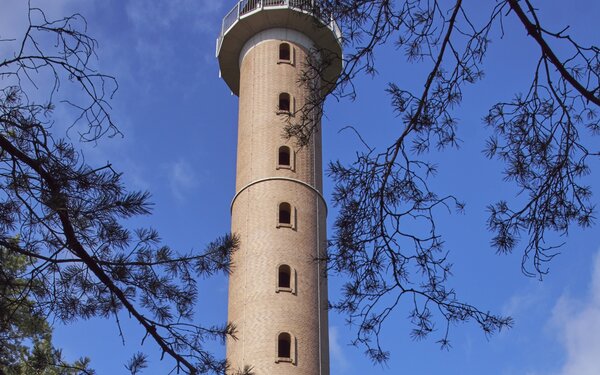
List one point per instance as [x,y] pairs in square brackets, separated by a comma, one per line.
[386,237]
[25,335]
[68,218]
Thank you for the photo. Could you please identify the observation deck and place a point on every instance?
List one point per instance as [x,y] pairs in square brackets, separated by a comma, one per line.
[249,17]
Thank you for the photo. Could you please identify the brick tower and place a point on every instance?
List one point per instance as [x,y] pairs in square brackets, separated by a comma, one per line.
[277,289]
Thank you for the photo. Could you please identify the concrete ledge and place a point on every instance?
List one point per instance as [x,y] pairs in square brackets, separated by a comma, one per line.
[279,179]
[230,43]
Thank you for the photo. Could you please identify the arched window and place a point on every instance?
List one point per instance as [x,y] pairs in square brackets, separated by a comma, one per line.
[285,276]
[284,102]
[284,159]
[284,346]
[285,52]
[285,213]
[286,279]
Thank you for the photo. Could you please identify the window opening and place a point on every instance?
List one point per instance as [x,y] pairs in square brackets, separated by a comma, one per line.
[284,102]
[285,213]
[285,276]
[284,52]
[284,156]
[284,345]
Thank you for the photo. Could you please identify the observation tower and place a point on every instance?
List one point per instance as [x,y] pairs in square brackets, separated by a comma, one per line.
[277,288]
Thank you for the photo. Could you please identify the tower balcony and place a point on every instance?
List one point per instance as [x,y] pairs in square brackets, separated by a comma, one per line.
[250,17]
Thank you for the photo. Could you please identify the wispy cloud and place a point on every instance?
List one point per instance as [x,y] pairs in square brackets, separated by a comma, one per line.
[13,17]
[578,324]
[162,14]
[182,178]
[338,357]
[161,31]
[524,301]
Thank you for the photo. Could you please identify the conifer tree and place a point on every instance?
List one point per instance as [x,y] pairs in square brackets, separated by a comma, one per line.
[68,218]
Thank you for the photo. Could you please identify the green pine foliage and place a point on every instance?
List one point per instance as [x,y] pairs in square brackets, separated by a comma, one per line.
[25,334]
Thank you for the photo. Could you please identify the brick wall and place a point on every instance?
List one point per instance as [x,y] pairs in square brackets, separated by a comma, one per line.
[255,306]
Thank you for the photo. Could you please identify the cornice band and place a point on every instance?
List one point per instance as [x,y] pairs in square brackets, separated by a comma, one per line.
[279,179]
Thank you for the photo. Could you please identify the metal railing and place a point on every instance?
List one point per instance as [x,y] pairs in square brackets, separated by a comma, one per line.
[246,7]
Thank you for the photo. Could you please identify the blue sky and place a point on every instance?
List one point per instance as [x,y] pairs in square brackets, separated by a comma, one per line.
[179,121]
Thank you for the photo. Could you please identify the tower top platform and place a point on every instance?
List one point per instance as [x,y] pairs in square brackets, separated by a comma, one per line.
[250,17]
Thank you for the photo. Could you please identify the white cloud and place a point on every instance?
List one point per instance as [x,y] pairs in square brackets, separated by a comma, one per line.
[182,178]
[57,9]
[13,18]
[13,27]
[578,324]
[161,14]
[159,26]
[524,301]
[338,358]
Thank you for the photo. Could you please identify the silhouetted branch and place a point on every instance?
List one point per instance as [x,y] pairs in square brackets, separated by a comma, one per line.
[386,237]
[67,218]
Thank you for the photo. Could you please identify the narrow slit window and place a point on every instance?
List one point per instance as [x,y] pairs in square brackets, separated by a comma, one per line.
[284,156]
[285,276]
[285,213]
[285,52]
[284,345]
[284,102]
